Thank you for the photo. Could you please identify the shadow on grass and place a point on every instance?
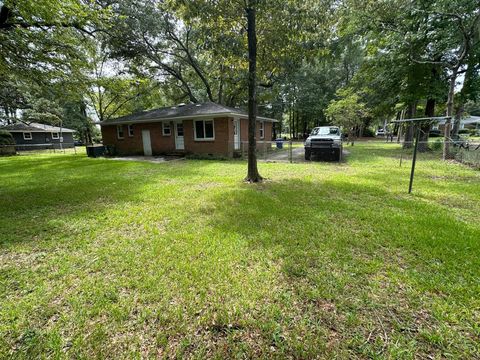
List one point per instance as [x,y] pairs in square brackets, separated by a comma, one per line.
[39,189]
[354,249]
[310,224]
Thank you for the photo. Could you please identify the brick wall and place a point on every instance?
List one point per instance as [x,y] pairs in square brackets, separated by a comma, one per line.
[222,145]
[133,145]
[267,129]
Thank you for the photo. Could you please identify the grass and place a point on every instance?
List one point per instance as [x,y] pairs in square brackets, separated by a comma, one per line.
[119,259]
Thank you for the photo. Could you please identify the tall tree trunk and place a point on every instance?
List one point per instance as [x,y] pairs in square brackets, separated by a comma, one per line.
[290,121]
[293,124]
[252,174]
[220,86]
[458,118]
[425,128]
[460,107]
[411,113]
[448,122]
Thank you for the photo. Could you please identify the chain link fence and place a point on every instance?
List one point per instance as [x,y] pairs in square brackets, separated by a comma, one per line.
[27,149]
[273,151]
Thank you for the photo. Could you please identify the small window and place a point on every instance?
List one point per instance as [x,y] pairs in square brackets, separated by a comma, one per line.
[130,130]
[262,129]
[27,136]
[120,131]
[55,136]
[179,129]
[166,130]
[204,130]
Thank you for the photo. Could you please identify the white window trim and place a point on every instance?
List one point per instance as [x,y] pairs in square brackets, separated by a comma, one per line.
[118,132]
[27,132]
[130,133]
[262,130]
[195,130]
[169,127]
[55,137]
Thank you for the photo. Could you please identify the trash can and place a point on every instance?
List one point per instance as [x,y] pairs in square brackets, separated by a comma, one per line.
[95,150]
[279,143]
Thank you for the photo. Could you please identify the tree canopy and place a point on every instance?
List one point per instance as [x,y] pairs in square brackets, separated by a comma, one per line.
[118,56]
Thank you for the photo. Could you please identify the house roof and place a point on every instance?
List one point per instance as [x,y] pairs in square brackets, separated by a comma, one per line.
[180,112]
[34,127]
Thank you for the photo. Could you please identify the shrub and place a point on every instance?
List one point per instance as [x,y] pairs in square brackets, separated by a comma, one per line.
[436,145]
[464,131]
[368,132]
[6,138]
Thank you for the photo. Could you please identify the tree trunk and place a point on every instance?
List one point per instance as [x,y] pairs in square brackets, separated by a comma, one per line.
[290,121]
[411,113]
[293,124]
[458,117]
[252,175]
[425,128]
[448,122]
[220,87]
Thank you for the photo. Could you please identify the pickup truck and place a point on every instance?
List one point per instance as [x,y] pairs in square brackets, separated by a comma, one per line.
[324,140]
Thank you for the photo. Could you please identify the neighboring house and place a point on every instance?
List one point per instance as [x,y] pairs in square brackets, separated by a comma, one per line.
[208,128]
[39,136]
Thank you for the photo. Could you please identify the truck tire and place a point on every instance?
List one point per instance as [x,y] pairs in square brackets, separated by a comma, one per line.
[337,155]
[308,154]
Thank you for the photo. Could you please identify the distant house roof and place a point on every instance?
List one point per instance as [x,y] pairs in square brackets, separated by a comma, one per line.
[180,112]
[34,127]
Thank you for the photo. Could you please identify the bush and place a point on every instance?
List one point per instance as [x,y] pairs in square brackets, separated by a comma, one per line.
[6,138]
[464,131]
[368,132]
[436,145]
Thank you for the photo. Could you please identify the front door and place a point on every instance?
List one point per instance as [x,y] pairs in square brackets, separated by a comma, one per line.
[236,134]
[179,139]
[147,143]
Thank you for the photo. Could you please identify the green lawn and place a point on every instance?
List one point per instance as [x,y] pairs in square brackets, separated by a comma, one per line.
[119,259]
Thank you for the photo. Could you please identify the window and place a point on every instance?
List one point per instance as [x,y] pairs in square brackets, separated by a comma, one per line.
[130,130]
[120,131]
[166,129]
[27,136]
[55,136]
[179,129]
[204,130]
[262,129]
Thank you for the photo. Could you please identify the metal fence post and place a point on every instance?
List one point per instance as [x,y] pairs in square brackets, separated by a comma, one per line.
[414,160]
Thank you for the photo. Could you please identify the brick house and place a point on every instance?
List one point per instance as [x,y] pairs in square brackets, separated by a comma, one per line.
[208,129]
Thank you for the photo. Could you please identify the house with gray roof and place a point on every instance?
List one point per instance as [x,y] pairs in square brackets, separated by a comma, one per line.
[36,136]
[207,129]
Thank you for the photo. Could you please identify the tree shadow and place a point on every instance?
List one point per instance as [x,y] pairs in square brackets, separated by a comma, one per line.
[343,221]
[38,190]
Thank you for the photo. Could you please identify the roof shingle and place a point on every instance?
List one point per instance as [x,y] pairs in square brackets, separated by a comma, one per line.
[180,111]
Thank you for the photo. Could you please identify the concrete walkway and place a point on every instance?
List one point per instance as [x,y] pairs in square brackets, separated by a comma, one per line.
[151,159]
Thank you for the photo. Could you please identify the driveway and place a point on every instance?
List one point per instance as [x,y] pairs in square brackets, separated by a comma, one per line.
[283,155]
[298,156]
